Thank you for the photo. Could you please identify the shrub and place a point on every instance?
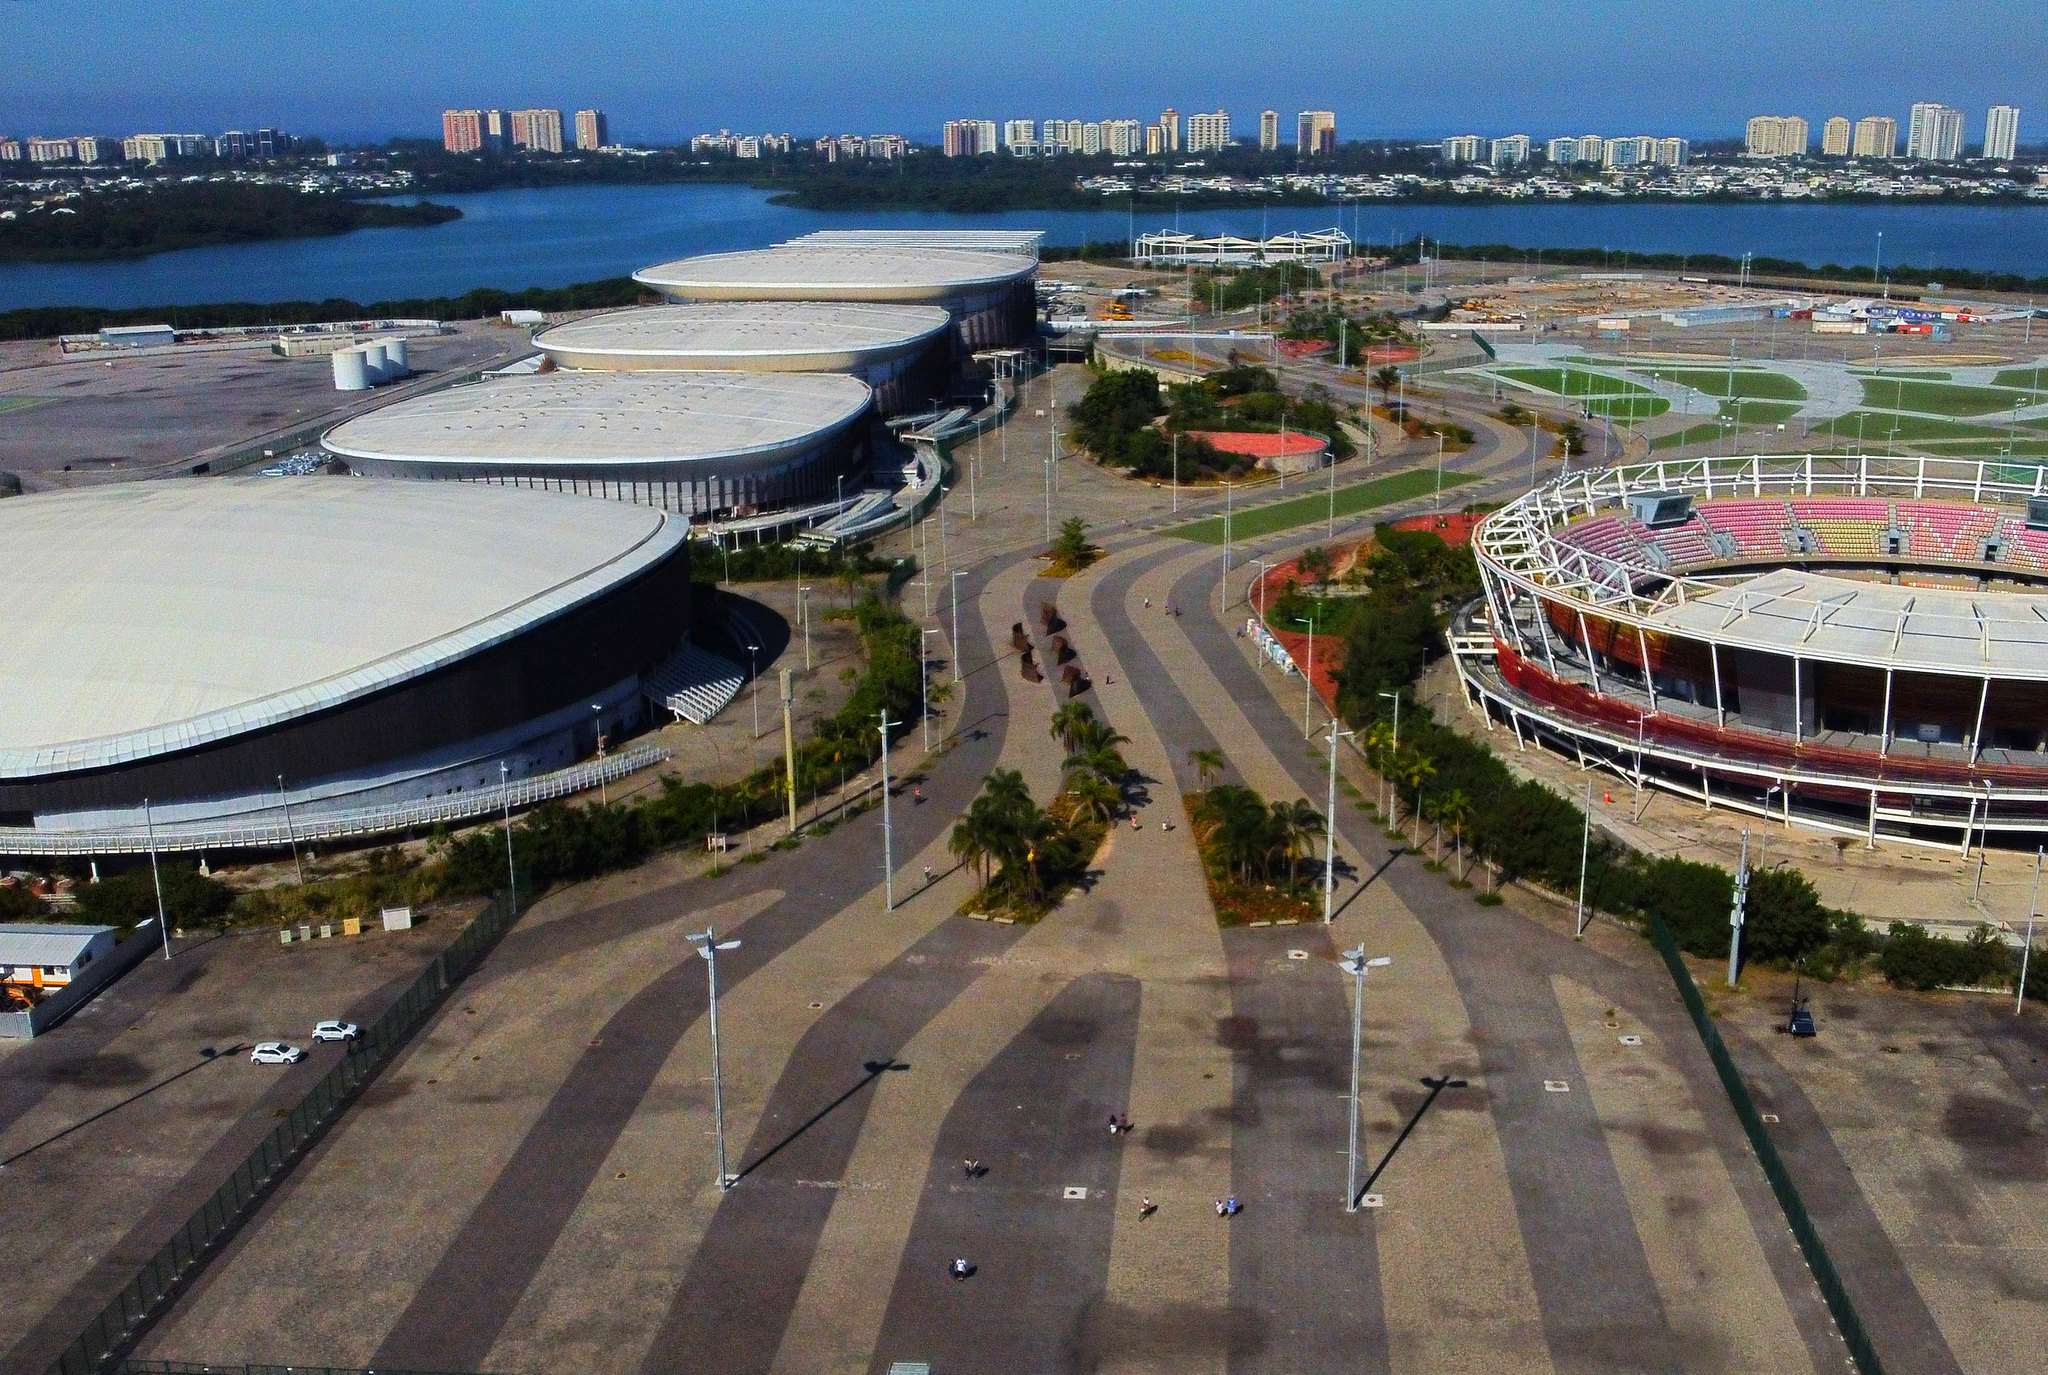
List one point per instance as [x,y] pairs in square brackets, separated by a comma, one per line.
[1914,959]
[128,900]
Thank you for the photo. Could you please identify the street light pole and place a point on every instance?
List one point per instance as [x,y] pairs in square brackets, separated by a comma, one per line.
[1585,849]
[708,945]
[1308,680]
[1330,831]
[803,601]
[956,624]
[163,922]
[924,684]
[789,746]
[290,834]
[511,872]
[2026,954]
[888,835]
[1355,964]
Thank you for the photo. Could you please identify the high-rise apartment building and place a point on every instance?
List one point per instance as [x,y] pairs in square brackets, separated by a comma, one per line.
[2002,132]
[1463,148]
[1512,151]
[1209,133]
[462,131]
[1628,152]
[1155,140]
[90,148]
[1059,136]
[1315,133]
[1169,128]
[497,131]
[593,130]
[1122,137]
[1835,137]
[50,150]
[1020,136]
[1673,152]
[1776,136]
[1269,131]
[1562,150]
[537,131]
[1592,148]
[10,150]
[962,138]
[1935,133]
[1877,136]
[1091,137]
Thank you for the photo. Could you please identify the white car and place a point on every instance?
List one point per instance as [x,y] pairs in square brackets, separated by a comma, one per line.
[276,1053]
[336,1031]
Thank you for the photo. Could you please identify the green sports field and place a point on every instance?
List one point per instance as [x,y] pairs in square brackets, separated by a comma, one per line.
[1944,398]
[1285,515]
[1573,381]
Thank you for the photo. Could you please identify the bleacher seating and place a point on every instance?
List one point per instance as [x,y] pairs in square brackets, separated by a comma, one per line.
[1686,544]
[1943,530]
[693,683]
[1610,536]
[1758,524]
[1846,527]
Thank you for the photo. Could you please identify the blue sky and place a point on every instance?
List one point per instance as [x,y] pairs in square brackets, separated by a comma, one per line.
[367,70]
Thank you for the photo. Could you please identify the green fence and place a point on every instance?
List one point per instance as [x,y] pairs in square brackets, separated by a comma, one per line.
[1854,1336]
[144,1296]
[134,1367]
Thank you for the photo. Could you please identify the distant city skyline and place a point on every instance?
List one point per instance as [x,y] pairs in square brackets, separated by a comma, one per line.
[1381,72]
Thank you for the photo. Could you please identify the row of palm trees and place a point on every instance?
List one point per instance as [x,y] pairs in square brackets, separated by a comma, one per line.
[1018,847]
[1094,772]
[1243,835]
[1410,770]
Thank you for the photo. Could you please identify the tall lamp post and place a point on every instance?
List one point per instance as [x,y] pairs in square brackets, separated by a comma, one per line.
[2027,951]
[1308,678]
[1395,697]
[1737,912]
[708,945]
[163,923]
[1330,830]
[924,683]
[888,835]
[1585,849]
[957,575]
[1356,964]
[511,871]
[290,833]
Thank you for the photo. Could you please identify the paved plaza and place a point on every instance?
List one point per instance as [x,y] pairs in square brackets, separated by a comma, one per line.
[1561,1185]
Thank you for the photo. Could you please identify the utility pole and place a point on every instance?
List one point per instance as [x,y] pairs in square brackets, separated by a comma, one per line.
[1355,964]
[1176,472]
[789,747]
[924,683]
[1736,913]
[1330,831]
[803,606]
[708,945]
[888,838]
[957,575]
[1223,589]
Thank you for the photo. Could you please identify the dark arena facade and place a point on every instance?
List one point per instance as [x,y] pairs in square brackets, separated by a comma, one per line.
[1855,644]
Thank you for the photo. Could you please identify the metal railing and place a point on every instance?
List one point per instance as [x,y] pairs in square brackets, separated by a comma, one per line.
[105,1335]
[354,823]
[1854,1335]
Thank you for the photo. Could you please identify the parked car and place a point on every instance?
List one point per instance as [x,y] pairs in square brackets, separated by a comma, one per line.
[276,1053]
[336,1031]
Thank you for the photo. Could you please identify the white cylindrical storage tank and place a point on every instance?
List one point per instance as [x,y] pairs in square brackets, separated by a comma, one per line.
[377,362]
[350,371]
[395,356]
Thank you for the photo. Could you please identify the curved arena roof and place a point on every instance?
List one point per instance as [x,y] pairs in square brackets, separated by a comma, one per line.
[802,272]
[558,420]
[155,617]
[744,336]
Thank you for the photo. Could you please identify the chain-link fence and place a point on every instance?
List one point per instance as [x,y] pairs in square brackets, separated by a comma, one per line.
[1854,1335]
[144,1296]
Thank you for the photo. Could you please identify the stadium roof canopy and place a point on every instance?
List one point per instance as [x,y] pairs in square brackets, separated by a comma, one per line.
[706,334]
[567,418]
[1019,241]
[154,617]
[857,272]
[1788,611]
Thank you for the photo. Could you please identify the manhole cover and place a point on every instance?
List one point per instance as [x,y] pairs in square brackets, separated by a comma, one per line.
[1631,1040]
[816,1006]
[1770,1117]
[1075,1191]
[1556,1086]
[1297,954]
[1373,1201]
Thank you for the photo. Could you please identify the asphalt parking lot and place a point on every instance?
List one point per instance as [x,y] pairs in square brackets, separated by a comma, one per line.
[117,1124]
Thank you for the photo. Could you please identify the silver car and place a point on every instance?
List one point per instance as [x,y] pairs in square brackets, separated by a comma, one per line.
[276,1053]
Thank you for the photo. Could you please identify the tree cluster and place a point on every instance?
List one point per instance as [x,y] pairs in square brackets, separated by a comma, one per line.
[161,219]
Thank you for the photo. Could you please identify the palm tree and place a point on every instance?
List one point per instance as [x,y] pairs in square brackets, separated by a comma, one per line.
[969,842]
[1105,764]
[1386,379]
[1093,735]
[1095,796]
[1295,825]
[1415,770]
[1068,722]
[1234,822]
[1455,809]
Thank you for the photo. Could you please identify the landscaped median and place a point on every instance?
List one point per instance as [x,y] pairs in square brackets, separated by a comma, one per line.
[1285,515]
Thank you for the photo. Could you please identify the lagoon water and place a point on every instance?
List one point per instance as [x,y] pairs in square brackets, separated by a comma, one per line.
[559,235]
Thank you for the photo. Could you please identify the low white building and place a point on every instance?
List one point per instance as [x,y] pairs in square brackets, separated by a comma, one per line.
[49,957]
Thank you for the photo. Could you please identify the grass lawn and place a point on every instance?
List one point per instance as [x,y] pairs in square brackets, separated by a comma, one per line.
[1285,515]
[1764,386]
[1762,412]
[17,403]
[2034,378]
[1573,381]
[1691,434]
[1877,427]
[2026,447]
[1629,408]
[1922,374]
[1943,398]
